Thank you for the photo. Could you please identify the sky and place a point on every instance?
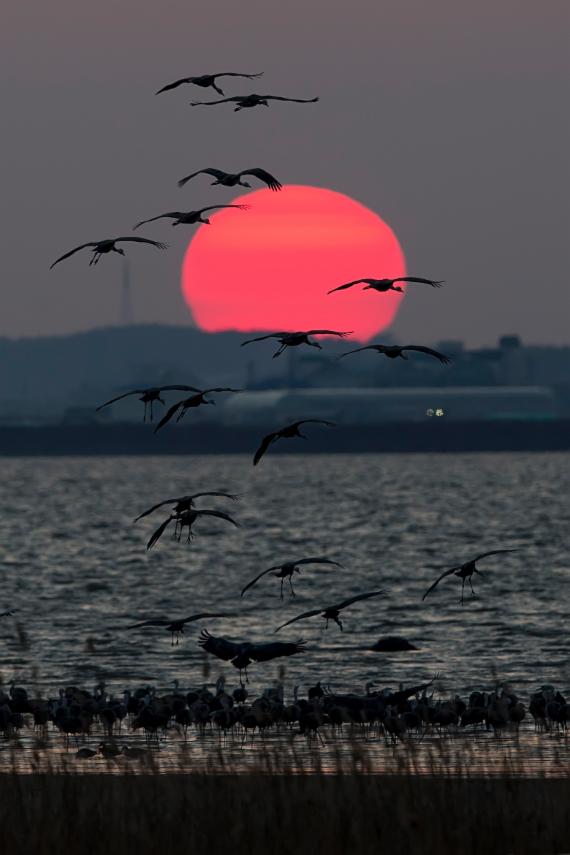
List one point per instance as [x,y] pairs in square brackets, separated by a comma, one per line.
[448,119]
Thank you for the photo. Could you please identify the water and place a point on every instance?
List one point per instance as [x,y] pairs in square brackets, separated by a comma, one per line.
[75,567]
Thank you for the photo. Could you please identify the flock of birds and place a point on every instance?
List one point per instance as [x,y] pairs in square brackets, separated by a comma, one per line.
[76,709]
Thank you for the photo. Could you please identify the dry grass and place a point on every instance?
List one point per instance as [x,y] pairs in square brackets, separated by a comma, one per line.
[284,805]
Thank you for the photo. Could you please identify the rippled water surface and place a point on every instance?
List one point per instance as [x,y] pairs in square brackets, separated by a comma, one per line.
[75,567]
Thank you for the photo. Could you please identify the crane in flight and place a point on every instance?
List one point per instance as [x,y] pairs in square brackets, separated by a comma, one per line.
[176,627]
[393,351]
[186,519]
[242,102]
[286,571]
[182,407]
[234,179]
[102,247]
[333,612]
[466,571]
[184,503]
[242,654]
[149,396]
[294,339]
[383,285]
[288,432]
[206,80]
[187,218]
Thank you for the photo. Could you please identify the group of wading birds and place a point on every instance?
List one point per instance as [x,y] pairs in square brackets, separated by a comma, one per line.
[75,710]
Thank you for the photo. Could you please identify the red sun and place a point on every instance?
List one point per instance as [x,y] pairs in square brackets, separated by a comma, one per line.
[269,268]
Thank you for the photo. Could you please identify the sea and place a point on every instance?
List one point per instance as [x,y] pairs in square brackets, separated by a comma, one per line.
[75,567]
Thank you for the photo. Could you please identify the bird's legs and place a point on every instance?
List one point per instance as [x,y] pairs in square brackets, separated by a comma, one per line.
[218,90]
[462,590]
[279,352]
[338,622]
[281,593]
[145,408]
[473,594]
[314,344]
[293,594]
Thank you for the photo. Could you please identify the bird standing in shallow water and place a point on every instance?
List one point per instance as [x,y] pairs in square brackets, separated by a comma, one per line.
[465,571]
[333,612]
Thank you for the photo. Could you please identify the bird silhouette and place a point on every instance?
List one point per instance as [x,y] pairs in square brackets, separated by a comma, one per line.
[244,101]
[288,432]
[206,80]
[294,339]
[149,396]
[388,284]
[466,571]
[176,627]
[286,570]
[234,179]
[8,613]
[181,407]
[242,654]
[102,247]
[393,351]
[188,218]
[333,612]
[184,503]
[186,519]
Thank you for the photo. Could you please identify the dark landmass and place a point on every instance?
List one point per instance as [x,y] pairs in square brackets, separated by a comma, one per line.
[433,435]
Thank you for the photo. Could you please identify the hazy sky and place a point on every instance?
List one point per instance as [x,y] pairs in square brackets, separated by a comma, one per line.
[448,118]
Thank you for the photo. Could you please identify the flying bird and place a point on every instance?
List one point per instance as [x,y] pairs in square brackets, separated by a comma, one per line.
[392,351]
[102,247]
[465,571]
[149,396]
[8,613]
[184,503]
[287,570]
[333,612]
[287,432]
[242,654]
[176,627]
[181,407]
[254,100]
[187,218]
[388,284]
[234,179]
[294,339]
[183,520]
[206,80]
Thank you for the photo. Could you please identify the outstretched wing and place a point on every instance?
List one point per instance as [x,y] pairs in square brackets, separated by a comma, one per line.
[358,597]
[265,443]
[350,284]
[169,413]
[174,215]
[257,578]
[120,397]
[220,389]
[330,332]
[441,356]
[275,649]
[220,101]
[438,580]
[317,561]
[213,207]
[219,647]
[216,173]
[493,552]
[435,283]
[237,74]
[179,388]
[220,514]
[297,100]
[174,85]
[156,243]
[156,507]
[312,613]
[72,252]
[159,532]
[264,337]
[264,176]
[150,623]
[358,350]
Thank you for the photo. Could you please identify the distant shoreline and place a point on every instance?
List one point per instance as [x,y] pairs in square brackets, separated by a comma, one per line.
[433,435]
